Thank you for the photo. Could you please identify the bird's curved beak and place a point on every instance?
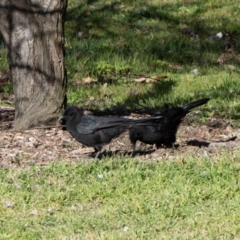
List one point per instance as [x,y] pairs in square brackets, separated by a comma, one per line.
[61,118]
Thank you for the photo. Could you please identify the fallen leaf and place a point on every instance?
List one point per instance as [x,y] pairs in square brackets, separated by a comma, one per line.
[231,67]
[104,86]
[175,67]
[220,59]
[140,79]
[156,79]
[159,78]
[229,129]
[212,114]
[88,80]
[150,79]
[92,98]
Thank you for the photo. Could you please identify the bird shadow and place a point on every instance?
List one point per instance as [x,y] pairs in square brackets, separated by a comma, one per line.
[133,154]
[197,143]
[120,153]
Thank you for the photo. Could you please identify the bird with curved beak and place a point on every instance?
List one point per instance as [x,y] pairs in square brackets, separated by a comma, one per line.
[97,131]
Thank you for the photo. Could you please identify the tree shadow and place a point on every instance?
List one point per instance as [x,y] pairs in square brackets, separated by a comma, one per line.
[1,40]
[135,103]
[180,46]
[188,38]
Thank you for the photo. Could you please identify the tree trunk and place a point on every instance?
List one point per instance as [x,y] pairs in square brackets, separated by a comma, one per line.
[34,34]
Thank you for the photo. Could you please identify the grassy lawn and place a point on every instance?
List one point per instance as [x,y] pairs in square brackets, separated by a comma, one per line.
[122,199]
[113,45]
[119,42]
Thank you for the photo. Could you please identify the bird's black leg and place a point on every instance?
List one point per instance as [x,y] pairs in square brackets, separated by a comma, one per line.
[97,151]
[133,149]
[173,147]
[97,154]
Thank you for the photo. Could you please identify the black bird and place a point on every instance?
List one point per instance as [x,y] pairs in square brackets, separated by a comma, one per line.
[164,133]
[96,131]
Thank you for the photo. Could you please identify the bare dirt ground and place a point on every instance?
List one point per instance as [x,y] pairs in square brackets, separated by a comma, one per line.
[44,145]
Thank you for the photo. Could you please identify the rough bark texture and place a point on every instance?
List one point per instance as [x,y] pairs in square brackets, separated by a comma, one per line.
[34,34]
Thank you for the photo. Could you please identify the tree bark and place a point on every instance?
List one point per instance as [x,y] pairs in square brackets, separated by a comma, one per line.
[33,31]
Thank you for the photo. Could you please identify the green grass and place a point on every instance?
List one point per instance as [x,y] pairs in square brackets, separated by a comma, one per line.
[3,55]
[138,38]
[100,199]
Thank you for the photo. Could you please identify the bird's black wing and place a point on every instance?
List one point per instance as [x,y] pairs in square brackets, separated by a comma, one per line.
[90,124]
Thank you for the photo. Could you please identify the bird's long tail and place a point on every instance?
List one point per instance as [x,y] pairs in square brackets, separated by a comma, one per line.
[177,113]
[174,114]
[194,104]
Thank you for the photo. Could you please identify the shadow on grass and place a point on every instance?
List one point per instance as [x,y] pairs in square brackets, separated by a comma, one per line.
[1,40]
[135,103]
[153,35]
[167,43]
[125,153]
[139,102]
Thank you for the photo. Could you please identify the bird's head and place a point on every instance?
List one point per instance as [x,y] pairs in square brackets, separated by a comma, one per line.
[70,113]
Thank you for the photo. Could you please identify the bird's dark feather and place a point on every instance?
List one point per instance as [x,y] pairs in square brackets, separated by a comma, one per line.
[98,131]
[165,131]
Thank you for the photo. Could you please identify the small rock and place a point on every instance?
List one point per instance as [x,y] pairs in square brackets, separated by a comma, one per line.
[217,36]
[9,204]
[125,229]
[195,71]
[100,176]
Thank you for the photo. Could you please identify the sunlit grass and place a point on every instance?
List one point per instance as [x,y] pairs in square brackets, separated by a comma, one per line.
[116,198]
